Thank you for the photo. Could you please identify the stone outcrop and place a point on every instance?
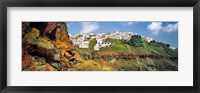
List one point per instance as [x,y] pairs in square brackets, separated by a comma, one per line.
[49,43]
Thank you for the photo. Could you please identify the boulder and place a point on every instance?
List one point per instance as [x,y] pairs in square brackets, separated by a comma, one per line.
[26,59]
[36,32]
[50,27]
[49,54]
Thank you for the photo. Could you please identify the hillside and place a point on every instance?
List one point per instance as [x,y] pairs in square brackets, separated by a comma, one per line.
[146,55]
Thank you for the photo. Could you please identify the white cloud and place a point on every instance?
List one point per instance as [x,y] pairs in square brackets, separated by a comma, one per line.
[171,28]
[129,23]
[88,27]
[156,27]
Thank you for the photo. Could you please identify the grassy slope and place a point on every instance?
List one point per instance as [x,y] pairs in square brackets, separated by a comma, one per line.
[147,48]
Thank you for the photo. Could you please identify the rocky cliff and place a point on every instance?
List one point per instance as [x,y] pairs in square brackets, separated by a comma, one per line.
[46,46]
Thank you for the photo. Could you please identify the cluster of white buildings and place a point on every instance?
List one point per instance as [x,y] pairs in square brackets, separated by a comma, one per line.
[83,40]
[121,35]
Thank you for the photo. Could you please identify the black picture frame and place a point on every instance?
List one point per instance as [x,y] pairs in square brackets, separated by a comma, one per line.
[99,3]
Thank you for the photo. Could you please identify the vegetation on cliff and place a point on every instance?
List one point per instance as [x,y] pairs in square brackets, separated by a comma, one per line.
[46,46]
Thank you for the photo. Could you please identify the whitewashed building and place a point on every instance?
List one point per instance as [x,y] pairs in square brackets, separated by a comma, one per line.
[105,44]
[148,39]
[99,40]
[97,47]
[77,41]
[84,44]
[100,44]
[173,47]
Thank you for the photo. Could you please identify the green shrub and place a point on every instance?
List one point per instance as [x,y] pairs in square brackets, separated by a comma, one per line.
[93,66]
[126,66]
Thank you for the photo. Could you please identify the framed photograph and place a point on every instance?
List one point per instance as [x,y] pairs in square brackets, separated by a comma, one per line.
[100,46]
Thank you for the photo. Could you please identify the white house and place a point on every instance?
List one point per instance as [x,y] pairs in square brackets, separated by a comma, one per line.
[77,41]
[105,44]
[99,40]
[173,47]
[99,45]
[84,44]
[148,39]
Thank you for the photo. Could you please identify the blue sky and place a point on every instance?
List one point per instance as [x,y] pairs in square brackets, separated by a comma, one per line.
[166,32]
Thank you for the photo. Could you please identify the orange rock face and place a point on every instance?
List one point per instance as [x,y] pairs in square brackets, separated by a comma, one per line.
[49,44]
[26,58]
[57,29]
[58,35]
[50,27]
